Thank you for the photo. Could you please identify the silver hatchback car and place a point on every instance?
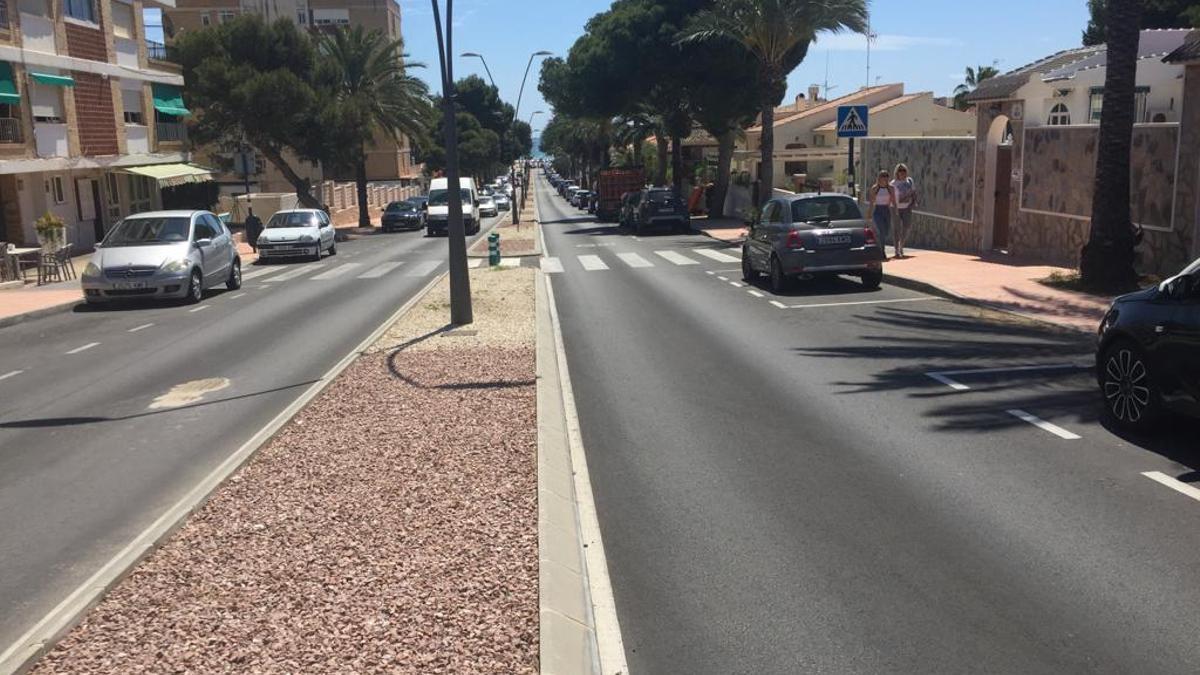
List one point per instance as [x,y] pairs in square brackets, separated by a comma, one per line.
[808,235]
[162,254]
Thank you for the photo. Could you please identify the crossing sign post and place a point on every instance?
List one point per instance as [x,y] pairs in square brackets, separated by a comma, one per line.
[852,124]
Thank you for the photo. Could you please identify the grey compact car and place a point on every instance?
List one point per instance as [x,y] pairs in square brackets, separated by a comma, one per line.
[162,254]
[808,235]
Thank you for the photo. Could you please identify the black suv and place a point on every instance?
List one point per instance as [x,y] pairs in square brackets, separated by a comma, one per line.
[403,215]
[1148,355]
[661,206]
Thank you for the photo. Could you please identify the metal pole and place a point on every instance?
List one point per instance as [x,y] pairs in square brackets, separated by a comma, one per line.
[850,169]
[460,278]
[512,170]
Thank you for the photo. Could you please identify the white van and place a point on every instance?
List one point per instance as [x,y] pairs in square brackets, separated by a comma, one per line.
[438,213]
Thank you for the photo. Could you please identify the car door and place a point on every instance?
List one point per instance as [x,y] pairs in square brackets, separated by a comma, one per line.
[758,239]
[203,238]
[325,227]
[1179,350]
[223,246]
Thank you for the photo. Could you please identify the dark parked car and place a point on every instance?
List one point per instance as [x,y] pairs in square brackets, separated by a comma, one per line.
[803,236]
[581,199]
[421,202]
[629,203]
[1148,353]
[659,207]
[403,215]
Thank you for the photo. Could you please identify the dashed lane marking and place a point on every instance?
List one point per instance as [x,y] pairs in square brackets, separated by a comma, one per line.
[755,293]
[592,263]
[634,260]
[1043,424]
[84,348]
[235,297]
[11,373]
[779,304]
[199,309]
[737,284]
[140,328]
[723,278]
[716,255]
[1176,485]
[946,377]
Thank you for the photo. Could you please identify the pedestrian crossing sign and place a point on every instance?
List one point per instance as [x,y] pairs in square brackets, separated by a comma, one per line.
[851,121]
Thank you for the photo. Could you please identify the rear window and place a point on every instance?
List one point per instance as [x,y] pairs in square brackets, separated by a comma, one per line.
[824,209]
[660,196]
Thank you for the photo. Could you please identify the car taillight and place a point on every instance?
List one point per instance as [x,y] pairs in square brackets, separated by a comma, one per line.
[794,240]
[869,234]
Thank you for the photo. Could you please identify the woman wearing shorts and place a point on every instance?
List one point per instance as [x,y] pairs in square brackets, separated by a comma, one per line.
[882,197]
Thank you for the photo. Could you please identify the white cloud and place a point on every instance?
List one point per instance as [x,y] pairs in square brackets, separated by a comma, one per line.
[855,42]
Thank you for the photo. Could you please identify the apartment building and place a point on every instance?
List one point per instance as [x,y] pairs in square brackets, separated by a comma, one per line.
[387,160]
[91,120]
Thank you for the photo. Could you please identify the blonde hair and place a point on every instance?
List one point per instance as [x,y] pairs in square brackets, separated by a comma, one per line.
[901,167]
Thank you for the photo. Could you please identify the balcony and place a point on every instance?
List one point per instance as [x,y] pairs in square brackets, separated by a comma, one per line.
[10,130]
[171,132]
[157,51]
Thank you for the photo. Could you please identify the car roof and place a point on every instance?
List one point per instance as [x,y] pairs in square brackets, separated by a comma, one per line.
[178,213]
[299,211]
[809,195]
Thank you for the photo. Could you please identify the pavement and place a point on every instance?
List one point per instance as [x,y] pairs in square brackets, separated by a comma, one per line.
[996,280]
[98,431]
[843,480]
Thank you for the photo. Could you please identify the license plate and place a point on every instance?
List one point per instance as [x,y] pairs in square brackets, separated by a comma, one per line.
[666,210]
[833,239]
[129,285]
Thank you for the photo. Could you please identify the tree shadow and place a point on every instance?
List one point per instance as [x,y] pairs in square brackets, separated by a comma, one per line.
[394,368]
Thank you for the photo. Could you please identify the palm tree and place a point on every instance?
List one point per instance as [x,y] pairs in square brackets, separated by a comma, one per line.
[1106,261]
[974,77]
[372,96]
[777,33]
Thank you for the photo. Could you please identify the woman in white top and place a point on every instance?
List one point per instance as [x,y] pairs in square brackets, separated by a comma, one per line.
[882,198]
[906,199]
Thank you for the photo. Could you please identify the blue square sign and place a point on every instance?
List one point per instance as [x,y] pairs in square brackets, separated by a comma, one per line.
[851,121]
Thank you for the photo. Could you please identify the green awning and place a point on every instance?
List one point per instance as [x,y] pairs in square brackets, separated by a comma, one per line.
[55,80]
[168,100]
[8,86]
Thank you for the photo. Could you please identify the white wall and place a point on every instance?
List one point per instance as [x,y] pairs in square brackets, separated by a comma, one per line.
[1165,96]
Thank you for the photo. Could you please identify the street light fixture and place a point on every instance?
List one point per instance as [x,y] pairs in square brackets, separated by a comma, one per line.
[535,112]
[467,55]
[516,110]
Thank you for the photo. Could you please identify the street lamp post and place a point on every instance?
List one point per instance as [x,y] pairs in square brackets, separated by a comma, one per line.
[516,110]
[460,278]
[531,115]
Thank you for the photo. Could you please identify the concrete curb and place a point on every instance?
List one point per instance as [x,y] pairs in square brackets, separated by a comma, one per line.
[24,653]
[933,289]
[39,313]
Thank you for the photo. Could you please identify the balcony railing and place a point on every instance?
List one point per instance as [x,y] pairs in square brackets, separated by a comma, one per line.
[171,132]
[4,14]
[155,50]
[10,130]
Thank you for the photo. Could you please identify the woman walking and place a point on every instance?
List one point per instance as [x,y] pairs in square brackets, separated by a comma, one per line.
[906,199]
[882,197]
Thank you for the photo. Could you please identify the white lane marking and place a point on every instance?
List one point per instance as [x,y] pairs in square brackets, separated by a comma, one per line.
[83,348]
[141,327]
[1176,485]
[676,258]
[198,309]
[716,255]
[737,284]
[261,272]
[295,272]
[634,260]
[755,294]
[723,278]
[861,302]
[336,272]
[1043,424]
[235,297]
[11,373]
[709,272]
[779,304]
[423,268]
[379,270]
[953,384]
[475,263]
[510,262]
[552,265]
[592,263]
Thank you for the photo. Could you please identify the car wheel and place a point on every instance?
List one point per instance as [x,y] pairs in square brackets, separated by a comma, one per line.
[749,274]
[317,256]
[195,289]
[428,232]
[333,248]
[779,281]
[235,275]
[1128,389]
[872,278]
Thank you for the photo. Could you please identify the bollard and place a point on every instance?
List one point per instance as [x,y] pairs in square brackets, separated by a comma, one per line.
[494,249]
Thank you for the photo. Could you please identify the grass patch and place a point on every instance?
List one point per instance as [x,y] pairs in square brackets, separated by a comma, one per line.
[1071,281]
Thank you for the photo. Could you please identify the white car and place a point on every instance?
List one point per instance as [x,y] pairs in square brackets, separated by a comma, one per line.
[297,233]
[503,203]
[487,206]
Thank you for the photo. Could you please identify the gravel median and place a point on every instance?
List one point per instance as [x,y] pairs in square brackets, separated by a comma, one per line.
[390,527]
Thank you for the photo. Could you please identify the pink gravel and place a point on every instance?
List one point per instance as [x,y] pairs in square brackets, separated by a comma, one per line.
[391,527]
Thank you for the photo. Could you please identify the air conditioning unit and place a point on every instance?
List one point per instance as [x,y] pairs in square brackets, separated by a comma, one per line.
[1157,115]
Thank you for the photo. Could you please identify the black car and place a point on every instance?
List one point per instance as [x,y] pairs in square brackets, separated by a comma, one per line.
[629,204]
[403,215]
[1148,354]
[661,207]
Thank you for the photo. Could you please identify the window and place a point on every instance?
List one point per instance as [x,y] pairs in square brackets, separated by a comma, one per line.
[225,16]
[112,197]
[823,209]
[131,99]
[204,230]
[122,20]
[302,17]
[774,214]
[47,104]
[215,223]
[139,194]
[57,191]
[205,19]
[1060,116]
[818,141]
[1096,104]
[84,10]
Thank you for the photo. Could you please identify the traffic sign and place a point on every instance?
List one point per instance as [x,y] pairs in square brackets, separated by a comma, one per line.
[851,121]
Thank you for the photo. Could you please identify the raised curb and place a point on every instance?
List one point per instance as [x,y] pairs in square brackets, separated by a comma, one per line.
[934,289]
[38,313]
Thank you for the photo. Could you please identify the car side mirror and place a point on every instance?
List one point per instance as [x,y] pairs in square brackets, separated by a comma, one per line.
[202,243]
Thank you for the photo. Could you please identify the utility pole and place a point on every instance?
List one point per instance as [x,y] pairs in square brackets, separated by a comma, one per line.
[870,38]
[460,278]
[512,169]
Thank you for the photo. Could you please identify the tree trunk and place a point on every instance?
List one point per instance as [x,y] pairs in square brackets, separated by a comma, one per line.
[360,179]
[1106,261]
[303,190]
[725,143]
[637,153]
[660,169]
[766,171]
[677,165]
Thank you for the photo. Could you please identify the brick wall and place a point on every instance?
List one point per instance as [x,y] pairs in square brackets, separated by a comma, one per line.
[86,43]
[95,114]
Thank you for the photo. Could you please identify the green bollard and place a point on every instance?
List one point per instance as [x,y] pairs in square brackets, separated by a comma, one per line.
[494,249]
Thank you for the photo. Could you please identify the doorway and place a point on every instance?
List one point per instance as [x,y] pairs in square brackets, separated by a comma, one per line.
[1000,211]
[87,202]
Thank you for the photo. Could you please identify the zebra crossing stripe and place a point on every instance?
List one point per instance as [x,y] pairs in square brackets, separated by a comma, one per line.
[717,255]
[475,263]
[634,260]
[552,265]
[676,258]
[592,263]
[295,272]
[379,270]
[336,271]
[423,268]
[260,272]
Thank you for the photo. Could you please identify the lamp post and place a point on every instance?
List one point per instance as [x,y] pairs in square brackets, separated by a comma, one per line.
[476,55]
[516,213]
[531,115]
[460,278]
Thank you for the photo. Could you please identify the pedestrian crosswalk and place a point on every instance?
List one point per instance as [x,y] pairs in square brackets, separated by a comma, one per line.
[661,258]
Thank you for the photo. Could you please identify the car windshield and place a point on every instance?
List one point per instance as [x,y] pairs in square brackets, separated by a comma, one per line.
[442,197]
[294,219]
[139,231]
[401,206]
[824,209]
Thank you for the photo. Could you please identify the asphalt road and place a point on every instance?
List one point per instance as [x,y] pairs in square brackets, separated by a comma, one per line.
[87,460]
[782,487]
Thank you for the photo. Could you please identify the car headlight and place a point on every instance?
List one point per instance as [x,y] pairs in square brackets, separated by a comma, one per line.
[172,266]
[91,270]
[307,238]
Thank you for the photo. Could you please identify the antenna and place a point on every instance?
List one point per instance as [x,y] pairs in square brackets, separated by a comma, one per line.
[870,37]
[827,86]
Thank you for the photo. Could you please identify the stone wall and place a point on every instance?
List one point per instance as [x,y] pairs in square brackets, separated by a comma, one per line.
[942,169]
